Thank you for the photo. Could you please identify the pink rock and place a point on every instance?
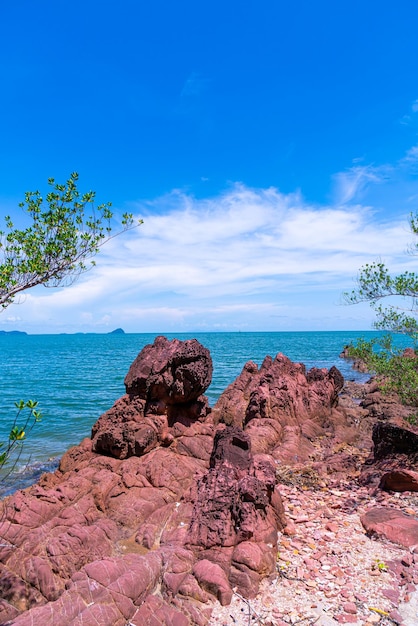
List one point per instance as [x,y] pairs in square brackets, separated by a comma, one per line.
[164,387]
[234,509]
[189,503]
[155,611]
[346,618]
[283,407]
[213,579]
[392,524]
[350,607]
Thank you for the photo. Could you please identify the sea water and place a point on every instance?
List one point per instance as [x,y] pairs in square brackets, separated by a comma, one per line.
[75,378]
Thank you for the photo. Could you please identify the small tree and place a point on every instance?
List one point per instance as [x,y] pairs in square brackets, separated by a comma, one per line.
[65,231]
[398,372]
[375,283]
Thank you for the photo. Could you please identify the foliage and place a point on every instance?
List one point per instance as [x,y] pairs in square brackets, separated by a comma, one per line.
[397,372]
[412,419]
[65,231]
[380,565]
[27,415]
[376,283]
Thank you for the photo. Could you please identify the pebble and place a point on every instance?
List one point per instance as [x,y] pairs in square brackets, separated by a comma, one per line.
[350,607]
[330,567]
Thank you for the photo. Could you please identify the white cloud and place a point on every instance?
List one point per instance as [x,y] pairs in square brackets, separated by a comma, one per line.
[411,155]
[351,183]
[241,259]
[246,258]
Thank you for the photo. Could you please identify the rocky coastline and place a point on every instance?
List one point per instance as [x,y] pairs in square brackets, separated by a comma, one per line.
[292,500]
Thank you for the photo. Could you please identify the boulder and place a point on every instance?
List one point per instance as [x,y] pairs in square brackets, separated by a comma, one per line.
[164,387]
[390,440]
[392,524]
[393,461]
[171,372]
[399,480]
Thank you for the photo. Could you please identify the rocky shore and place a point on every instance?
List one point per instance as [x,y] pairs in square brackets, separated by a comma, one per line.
[291,501]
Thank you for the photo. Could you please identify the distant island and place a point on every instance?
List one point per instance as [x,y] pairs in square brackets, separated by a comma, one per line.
[117,331]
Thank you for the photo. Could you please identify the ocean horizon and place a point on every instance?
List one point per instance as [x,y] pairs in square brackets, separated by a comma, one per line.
[77,377]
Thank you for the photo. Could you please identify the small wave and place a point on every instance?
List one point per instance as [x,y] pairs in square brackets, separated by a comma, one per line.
[25,476]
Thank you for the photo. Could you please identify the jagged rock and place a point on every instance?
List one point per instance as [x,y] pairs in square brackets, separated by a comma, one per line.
[164,387]
[168,505]
[283,407]
[236,512]
[101,505]
[172,372]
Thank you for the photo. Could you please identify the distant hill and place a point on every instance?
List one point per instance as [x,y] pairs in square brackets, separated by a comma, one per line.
[13,332]
[117,331]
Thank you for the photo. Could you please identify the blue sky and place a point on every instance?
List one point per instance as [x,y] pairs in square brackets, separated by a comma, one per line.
[270,147]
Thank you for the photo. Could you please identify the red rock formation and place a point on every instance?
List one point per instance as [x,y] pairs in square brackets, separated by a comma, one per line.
[237,511]
[283,407]
[393,459]
[167,506]
[164,387]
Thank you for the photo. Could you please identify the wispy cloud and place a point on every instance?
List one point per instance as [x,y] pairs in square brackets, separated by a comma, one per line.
[350,184]
[246,258]
[411,156]
[241,259]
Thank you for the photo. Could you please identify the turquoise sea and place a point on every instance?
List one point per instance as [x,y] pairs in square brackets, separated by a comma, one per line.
[75,378]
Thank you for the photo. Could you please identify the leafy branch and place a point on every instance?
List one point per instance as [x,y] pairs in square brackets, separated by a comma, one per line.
[396,370]
[374,283]
[66,231]
[11,450]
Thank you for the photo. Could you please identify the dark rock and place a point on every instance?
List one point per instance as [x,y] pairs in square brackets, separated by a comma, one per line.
[389,439]
[164,386]
[171,372]
[234,510]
